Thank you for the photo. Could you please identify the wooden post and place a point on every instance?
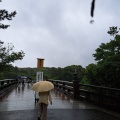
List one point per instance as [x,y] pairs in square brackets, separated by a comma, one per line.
[75,86]
[40,63]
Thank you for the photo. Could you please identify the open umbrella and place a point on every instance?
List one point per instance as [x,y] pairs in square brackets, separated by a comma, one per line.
[42,86]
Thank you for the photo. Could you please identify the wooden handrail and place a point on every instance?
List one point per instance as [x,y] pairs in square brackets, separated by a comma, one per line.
[102,96]
[6,85]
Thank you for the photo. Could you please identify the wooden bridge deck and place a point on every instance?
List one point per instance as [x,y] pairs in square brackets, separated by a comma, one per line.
[19,104]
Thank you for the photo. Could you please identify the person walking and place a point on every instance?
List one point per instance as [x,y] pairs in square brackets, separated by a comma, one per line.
[44,99]
[43,88]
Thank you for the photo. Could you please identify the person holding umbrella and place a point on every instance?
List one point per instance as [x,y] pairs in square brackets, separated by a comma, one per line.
[43,88]
[43,103]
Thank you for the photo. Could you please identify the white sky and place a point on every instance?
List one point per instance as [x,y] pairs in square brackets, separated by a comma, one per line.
[58,30]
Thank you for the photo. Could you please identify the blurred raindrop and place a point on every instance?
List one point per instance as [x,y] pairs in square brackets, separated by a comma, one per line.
[92,21]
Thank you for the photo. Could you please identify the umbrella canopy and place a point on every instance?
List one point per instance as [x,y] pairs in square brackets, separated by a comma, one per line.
[42,86]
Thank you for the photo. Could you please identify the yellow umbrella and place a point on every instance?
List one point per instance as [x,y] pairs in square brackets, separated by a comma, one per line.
[42,86]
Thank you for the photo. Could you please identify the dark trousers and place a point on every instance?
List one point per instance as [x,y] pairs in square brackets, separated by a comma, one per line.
[43,111]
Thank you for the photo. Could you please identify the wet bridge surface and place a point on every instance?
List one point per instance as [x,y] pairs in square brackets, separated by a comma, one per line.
[19,104]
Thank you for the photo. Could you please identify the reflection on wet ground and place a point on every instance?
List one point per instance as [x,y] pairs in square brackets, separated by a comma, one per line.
[22,98]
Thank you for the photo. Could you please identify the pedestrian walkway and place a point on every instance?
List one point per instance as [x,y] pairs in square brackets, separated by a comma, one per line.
[20,104]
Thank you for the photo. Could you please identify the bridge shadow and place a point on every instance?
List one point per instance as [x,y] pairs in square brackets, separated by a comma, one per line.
[20,101]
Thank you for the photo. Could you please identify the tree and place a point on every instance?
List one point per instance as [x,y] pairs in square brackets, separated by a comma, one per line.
[8,56]
[113,31]
[90,75]
[110,49]
[5,15]
[108,60]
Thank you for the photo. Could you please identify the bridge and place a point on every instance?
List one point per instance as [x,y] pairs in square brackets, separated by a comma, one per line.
[17,102]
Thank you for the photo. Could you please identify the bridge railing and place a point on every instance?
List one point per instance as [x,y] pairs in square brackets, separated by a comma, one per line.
[6,85]
[102,96]
[63,86]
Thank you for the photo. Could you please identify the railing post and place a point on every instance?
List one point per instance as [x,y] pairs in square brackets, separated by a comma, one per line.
[2,83]
[75,86]
[100,97]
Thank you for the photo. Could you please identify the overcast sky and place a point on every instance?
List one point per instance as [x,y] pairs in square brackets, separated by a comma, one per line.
[58,30]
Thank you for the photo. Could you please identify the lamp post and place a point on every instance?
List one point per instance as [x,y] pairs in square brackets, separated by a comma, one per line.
[75,75]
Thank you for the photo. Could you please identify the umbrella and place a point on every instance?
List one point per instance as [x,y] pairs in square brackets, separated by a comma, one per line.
[42,86]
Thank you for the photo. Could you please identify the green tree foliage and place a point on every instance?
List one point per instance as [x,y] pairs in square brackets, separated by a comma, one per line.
[106,71]
[8,56]
[65,74]
[108,51]
[90,74]
[5,15]
[113,31]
